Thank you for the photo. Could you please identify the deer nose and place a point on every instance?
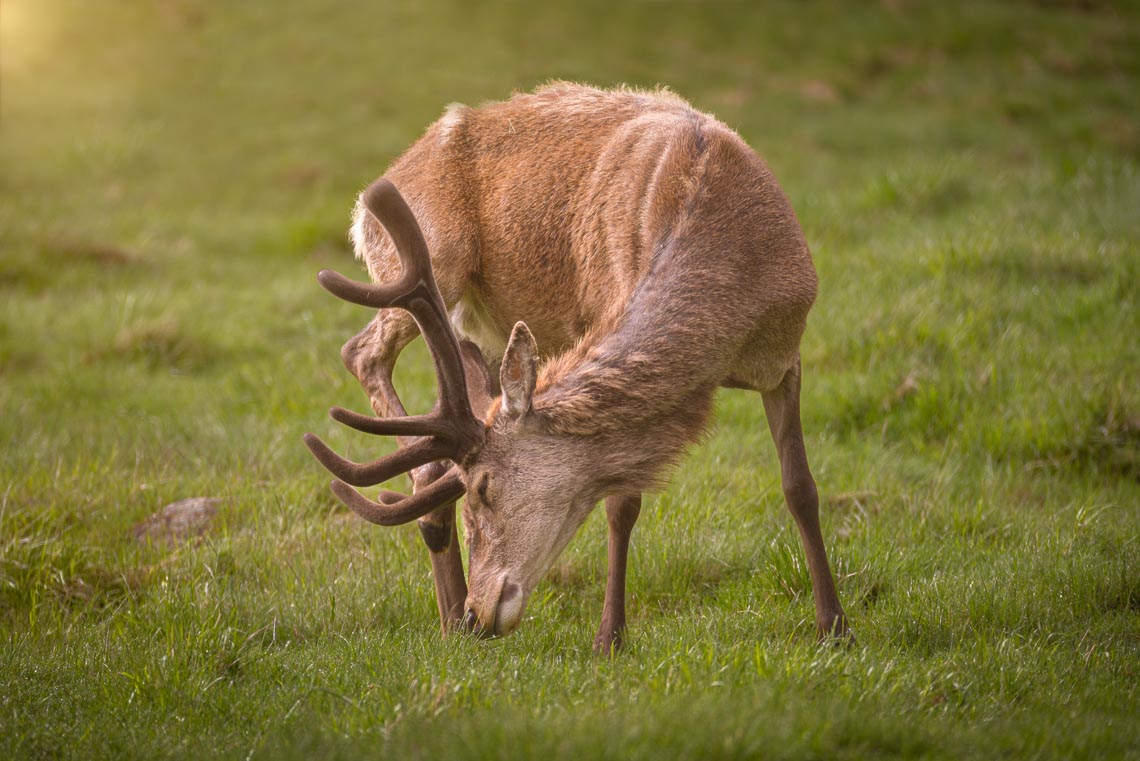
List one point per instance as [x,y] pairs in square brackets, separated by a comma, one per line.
[470,620]
[508,614]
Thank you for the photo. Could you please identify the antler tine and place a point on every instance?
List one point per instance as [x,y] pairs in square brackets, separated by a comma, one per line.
[413,425]
[386,204]
[365,294]
[395,509]
[402,460]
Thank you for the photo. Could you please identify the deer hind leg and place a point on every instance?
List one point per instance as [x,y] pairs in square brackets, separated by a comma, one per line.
[782,407]
[371,356]
[621,514]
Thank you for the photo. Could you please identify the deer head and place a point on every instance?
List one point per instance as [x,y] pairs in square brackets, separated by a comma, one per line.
[527,490]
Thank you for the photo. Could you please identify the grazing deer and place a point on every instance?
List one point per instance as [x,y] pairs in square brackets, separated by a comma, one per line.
[644,256]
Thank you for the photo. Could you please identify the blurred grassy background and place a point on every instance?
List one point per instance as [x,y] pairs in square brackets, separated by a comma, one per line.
[172,175]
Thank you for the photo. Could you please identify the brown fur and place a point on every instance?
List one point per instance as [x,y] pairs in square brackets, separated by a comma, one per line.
[651,254]
[520,223]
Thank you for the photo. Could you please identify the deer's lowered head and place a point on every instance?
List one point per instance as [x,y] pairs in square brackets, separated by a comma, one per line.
[529,489]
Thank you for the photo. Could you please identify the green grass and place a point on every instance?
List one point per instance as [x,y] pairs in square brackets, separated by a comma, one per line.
[173,174]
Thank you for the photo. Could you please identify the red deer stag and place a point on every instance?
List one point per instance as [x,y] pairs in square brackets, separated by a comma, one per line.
[644,256]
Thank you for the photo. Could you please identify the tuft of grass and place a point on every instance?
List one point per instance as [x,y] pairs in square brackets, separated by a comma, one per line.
[161,344]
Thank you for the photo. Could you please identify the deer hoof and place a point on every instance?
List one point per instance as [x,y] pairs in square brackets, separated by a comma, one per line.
[608,643]
[834,630]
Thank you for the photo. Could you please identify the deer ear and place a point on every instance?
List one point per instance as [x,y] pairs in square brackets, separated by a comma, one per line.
[519,372]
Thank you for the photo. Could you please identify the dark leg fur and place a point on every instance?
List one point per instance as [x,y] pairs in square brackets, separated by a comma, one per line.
[621,514]
[782,406]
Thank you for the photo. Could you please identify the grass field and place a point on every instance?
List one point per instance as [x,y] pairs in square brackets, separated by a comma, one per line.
[172,176]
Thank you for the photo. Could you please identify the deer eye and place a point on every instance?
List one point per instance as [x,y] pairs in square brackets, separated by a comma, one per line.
[481,489]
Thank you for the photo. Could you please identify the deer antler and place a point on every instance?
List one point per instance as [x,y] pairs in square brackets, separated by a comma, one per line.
[451,429]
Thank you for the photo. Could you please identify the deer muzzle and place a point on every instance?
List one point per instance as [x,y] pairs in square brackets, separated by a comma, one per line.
[496,614]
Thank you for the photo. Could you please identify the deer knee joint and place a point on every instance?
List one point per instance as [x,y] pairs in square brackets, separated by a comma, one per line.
[801,495]
[437,536]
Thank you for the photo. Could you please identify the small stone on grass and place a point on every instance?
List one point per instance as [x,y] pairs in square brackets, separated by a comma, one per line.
[178,521]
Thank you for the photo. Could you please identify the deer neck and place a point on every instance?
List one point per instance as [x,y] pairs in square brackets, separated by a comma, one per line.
[635,392]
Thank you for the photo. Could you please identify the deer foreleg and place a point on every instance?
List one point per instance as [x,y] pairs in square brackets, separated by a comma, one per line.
[782,407]
[621,515]
[442,539]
